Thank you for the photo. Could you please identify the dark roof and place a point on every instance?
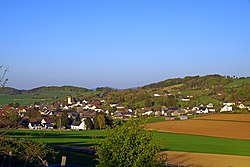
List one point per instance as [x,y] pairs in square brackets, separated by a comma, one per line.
[49,120]
[202,108]
[173,109]
[49,125]
[76,123]
[35,123]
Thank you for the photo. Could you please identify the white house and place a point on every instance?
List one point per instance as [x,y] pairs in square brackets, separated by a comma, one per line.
[147,113]
[185,99]
[120,107]
[226,108]
[194,109]
[98,110]
[89,107]
[212,110]
[34,125]
[183,117]
[175,113]
[113,105]
[78,125]
[210,105]
[78,104]
[85,101]
[48,122]
[229,104]
[202,110]
[65,108]
[241,106]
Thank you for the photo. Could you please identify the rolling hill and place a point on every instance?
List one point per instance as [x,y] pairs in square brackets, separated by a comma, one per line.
[200,89]
[45,94]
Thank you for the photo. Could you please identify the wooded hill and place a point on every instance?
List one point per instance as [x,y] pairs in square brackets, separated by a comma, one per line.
[8,90]
[199,89]
[214,89]
[43,94]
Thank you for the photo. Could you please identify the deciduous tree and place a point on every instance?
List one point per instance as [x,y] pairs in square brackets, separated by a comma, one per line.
[89,123]
[129,145]
[64,119]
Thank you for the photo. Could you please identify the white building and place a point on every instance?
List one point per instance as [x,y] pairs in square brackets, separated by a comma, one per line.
[113,105]
[241,106]
[89,107]
[185,99]
[78,125]
[202,110]
[226,108]
[34,125]
[229,104]
[69,99]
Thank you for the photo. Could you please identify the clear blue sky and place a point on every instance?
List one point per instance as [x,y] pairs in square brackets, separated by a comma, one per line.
[122,44]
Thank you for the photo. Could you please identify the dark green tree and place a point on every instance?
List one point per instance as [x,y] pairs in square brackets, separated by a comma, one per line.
[32,153]
[78,118]
[58,122]
[171,101]
[96,125]
[10,120]
[33,114]
[101,121]
[89,123]
[148,102]
[64,119]
[111,109]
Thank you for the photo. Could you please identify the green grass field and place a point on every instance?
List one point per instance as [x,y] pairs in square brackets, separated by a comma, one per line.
[26,99]
[44,97]
[239,82]
[204,144]
[170,141]
[155,119]
[207,99]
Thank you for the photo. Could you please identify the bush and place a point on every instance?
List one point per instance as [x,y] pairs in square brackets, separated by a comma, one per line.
[129,144]
[23,150]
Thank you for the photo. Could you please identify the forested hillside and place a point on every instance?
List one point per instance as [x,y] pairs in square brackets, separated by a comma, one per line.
[198,89]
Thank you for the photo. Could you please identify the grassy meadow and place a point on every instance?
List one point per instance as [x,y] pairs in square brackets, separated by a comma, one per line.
[42,97]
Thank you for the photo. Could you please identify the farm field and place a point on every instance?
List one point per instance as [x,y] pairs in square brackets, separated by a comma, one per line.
[170,141]
[175,143]
[206,160]
[225,129]
[57,137]
[227,117]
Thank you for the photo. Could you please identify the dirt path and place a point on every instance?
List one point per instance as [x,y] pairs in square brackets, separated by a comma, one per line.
[207,160]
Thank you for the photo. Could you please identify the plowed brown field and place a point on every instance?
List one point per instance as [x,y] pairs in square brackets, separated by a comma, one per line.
[226,129]
[207,160]
[230,117]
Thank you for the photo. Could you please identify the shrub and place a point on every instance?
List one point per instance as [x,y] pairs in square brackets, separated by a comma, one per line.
[129,144]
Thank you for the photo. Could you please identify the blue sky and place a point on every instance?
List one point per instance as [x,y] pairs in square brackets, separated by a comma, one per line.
[122,44]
